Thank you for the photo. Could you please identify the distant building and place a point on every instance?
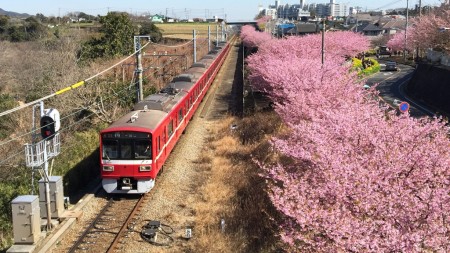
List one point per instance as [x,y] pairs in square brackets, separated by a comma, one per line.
[214,19]
[297,11]
[287,11]
[270,12]
[332,9]
[157,18]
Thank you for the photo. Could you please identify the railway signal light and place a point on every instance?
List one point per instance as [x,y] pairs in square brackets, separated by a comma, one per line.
[50,123]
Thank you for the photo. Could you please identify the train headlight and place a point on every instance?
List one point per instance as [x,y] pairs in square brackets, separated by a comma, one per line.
[108,168]
[145,168]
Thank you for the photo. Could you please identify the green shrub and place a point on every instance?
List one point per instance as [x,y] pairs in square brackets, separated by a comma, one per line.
[368,67]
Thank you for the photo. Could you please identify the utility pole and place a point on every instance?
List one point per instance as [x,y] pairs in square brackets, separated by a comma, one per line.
[420,8]
[209,38]
[139,68]
[217,35]
[406,30]
[323,40]
[420,14]
[195,46]
[38,153]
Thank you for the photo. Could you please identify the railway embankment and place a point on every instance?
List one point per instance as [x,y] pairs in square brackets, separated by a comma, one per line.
[430,85]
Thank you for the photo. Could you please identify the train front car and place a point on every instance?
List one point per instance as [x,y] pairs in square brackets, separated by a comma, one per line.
[127,153]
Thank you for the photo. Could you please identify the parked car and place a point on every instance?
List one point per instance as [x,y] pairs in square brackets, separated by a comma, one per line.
[391,66]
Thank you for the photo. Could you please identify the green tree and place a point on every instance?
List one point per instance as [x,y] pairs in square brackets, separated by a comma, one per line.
[42,18]
[148,28]
[3,25]
[116,40]
[16,34]
[118,33]
[260,15]
[35,30]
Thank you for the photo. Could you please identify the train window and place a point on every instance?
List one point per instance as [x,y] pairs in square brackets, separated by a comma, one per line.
[110,149]
[142,149]
[158,144]
[125,149]
[170,128]
[180,116]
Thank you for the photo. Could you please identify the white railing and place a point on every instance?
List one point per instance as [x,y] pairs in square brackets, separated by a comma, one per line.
[34,153]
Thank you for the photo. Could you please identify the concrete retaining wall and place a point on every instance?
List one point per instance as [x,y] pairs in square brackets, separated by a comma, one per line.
[438,57]
[431,85]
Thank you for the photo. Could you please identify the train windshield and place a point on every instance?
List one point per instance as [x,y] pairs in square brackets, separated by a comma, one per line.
[126,146]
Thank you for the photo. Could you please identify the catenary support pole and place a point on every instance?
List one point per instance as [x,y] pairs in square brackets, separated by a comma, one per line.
[195,46]
[209,38]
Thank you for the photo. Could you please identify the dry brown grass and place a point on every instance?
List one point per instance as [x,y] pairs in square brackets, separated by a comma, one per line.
[232,190]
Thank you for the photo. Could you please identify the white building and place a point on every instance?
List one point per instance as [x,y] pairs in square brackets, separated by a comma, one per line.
[271,12]
[332,9]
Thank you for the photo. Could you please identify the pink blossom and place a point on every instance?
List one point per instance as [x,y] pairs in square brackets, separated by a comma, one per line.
[361,178]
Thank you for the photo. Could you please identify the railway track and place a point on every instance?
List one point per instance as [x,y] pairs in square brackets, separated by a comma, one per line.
[119,225]
[110,225]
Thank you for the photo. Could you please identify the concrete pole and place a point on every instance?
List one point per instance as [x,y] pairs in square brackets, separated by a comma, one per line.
[46,182]
[217,35]
[140,70]
[406,30]
[195,46]
[209,38]
[222,29]
[323,40]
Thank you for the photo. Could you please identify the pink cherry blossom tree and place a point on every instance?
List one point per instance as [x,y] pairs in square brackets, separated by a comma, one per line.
[357,178]
[426,32]
[397,41]
[252,38]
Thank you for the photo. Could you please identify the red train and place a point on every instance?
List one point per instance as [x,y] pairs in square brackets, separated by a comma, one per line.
[134,148]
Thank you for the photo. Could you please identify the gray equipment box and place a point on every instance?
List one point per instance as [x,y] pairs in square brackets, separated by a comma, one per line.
[56,197]
[26,220]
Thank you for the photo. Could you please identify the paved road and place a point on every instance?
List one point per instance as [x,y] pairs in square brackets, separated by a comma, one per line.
[391,87]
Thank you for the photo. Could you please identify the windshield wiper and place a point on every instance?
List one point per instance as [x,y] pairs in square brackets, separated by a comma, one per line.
[106,154]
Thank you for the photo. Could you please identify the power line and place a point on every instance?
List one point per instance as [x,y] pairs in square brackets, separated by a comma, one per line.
[93,104]
[74,86]
[71,87]
[389,4]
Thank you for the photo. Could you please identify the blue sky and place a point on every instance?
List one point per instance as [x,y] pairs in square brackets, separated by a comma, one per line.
[233,9]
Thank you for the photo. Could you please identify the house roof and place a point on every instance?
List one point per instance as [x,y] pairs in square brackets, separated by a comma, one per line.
[395,24]
[307,28]
[364,17]
[372,27]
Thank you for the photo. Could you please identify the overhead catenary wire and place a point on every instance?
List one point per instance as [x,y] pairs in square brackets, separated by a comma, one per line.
[76,112]
[62,129]
[65,117]
[389,4]
[78,84]
[72,114]
[71,87]
[174,46]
